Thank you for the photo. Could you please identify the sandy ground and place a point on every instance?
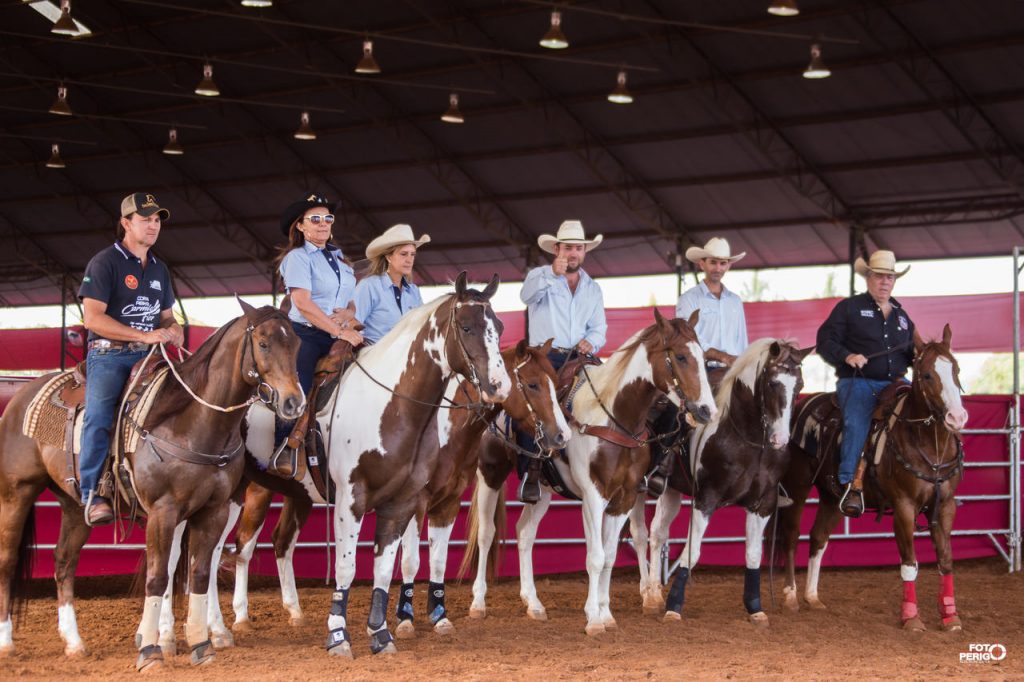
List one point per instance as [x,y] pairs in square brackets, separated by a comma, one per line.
[858,637]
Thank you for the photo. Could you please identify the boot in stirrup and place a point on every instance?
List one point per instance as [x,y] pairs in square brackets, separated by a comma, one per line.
[852,502]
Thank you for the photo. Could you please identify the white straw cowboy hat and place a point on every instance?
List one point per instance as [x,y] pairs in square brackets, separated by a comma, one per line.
[716,247]
[569,232]
[396,235]
[881,262]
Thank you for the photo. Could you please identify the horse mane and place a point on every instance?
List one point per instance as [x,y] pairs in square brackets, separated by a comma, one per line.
[411,321]
[753,358]
[605,379]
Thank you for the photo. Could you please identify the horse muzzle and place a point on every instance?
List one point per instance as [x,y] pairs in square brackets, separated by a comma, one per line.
[956,421]
[702,413]
[291,407]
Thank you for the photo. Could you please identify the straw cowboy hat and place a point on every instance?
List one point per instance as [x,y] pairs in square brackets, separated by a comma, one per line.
[298,209]
[881,262]
[717,247]
[569,232]
[396,235]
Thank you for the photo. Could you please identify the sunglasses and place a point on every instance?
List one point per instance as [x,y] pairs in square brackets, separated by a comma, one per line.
[317,218]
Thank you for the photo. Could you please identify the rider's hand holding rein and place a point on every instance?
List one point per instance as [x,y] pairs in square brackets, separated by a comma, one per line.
[856,360]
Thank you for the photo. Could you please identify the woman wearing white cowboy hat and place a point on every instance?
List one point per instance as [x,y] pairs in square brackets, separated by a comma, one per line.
[387,293]
[868,338]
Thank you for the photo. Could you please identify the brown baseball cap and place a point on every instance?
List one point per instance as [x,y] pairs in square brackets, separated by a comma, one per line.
[143,204]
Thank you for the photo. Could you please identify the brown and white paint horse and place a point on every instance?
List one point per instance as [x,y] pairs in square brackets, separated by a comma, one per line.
[457,434]
[664,358]
[736,459]
[919,471]
[255,352]
[385,403]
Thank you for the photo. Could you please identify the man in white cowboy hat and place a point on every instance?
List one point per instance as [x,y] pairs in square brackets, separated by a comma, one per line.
[563,303]
[388,293]
[868,338]
[722,324]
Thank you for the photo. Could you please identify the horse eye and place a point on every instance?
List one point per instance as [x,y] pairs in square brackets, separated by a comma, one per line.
[264,345]
[465,329]
[681,358]
[927,376]
[533,387]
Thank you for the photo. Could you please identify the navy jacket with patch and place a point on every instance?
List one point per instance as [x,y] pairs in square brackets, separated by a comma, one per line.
[856,325]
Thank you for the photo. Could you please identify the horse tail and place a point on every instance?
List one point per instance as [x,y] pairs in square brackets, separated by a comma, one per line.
[23,567]
[471,555]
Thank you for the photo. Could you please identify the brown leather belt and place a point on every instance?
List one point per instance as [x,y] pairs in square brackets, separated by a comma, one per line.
[107,344]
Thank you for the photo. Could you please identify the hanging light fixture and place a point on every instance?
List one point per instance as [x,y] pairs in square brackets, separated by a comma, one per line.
[257,3]
[817,68]
[305,131]
[555,39]
[60,105]
[206,86]
[783,8]
[453,115]
[620,95]
[55,161]
[173,147]
[367,64]
[65,25]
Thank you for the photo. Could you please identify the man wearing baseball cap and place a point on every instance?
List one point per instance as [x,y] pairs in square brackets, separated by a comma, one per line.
[127,300]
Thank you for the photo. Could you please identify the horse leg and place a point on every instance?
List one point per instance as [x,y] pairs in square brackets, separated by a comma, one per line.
[903,526]
[346,537]
[610,532]
[205,529]
[410,567]
[160,535]
[168,642]
[752,577]
[691,554]
[640,539]
[219,633]
[254,514]
[486,503]
[593,526]
[665,512]
[386,542]
[286,533]
[526,532]
[438,537]
[825,520]
[789,535]
[944,553]
[73,535]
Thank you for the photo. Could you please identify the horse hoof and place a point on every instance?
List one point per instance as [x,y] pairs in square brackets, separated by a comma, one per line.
[7,650]
[537,614]
[169,647]
[671,617]
[610,624]
[760,619]
[242,626]
[389,649]
[444,627]
[202,654]
[222,640]
[138,641]
[914,624]
[76,651]
[953,625]
[792,605]
[297,621]
[151,659]
[595,629]
[405,630]
[816,604]
[344,650]
[478,614]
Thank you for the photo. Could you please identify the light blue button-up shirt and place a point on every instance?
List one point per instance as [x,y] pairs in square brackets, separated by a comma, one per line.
[305,268]
[555,312]
[377,308]
[722,324]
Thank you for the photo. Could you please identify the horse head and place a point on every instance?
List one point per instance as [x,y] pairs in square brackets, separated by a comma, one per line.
[471,340]
[533,403]
[937,379]
[268,359]
[677,365]
[778,384]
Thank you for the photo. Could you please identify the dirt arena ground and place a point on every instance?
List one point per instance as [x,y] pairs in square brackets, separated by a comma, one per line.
[857,638]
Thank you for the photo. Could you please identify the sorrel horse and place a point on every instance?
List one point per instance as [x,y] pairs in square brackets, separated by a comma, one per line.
[736,459]
[183,470]
[918,464]
[664,358]
[532,403]
[386,401]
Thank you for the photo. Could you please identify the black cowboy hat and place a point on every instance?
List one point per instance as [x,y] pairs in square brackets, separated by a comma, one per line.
[298,208]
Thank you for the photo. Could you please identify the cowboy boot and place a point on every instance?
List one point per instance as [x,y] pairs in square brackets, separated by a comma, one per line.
[656,481]
[529,487]
[852,502]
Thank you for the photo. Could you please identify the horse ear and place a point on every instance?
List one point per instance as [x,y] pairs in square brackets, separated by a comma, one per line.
[918,342]
[492,287]
[460,284]
[546,348]
[947,335]
[804,352]
[247,309]
[521,348]
[694,317]
[775,349]
[658,317]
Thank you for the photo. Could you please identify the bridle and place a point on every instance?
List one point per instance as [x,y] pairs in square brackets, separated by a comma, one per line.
[538,431]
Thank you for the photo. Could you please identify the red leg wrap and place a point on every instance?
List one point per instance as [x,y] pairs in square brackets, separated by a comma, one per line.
[909,607]
[947,605]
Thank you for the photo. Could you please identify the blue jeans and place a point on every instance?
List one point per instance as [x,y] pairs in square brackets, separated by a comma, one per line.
[857,399]
[313,344]
[106,372]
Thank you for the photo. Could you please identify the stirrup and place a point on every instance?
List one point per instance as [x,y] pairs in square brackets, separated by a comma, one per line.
[274,468]
[849,505]
[534,496]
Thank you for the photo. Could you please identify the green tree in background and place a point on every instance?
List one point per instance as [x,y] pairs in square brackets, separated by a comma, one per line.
[756,290]
[996,375]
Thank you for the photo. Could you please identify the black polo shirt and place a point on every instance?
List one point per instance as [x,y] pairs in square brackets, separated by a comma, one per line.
[856,325]
[135,296]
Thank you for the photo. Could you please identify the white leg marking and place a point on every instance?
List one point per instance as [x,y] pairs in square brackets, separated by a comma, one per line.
[67,625]
[286,575]
[6,636]
[813,575]
[411,548]
[526,531]
[438,538]
[240,600]
[486,502]
[220,635]
[908,573]
[755,538]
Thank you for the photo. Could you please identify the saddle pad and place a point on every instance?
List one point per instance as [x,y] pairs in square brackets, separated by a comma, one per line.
[46,418]
[139,410]
[883,433]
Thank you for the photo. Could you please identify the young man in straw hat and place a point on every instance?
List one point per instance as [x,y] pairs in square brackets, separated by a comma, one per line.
[563,303]
[722,324]
[868,338]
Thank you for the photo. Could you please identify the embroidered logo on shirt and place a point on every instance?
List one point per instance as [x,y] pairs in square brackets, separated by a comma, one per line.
[903,323]
[155,284]
[867,313]
[131,282]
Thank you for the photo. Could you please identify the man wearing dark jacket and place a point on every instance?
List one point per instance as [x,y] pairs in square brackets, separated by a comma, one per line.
[868,338]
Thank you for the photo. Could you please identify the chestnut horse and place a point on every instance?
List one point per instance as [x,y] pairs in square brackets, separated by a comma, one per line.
[915,466]
[612,399]
[186,465]
[737,458]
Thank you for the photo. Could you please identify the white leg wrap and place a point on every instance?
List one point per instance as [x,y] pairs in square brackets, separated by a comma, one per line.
[196,630]
[149,628]
[908,573]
